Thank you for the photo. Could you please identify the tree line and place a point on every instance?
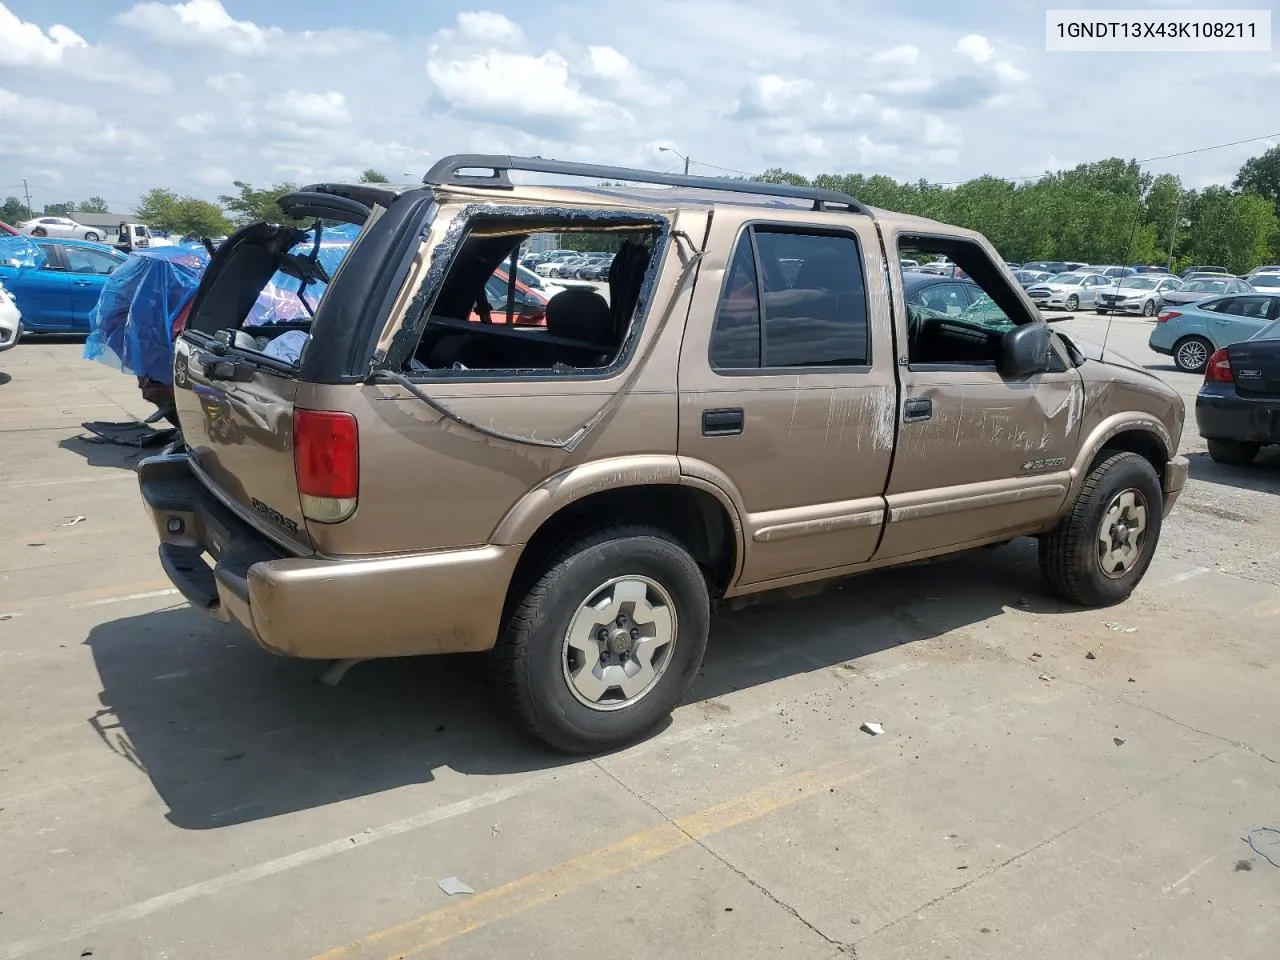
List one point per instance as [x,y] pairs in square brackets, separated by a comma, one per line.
[1109,211]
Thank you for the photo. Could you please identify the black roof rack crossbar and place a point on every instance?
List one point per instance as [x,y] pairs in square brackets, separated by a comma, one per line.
[447,172]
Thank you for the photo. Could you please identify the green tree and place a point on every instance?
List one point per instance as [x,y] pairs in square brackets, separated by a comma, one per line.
[163,209]
[1261,175]
[373,176]
[778,175]
[93,205]
[13,210]
[250,204]
[1235,230]
[59,209]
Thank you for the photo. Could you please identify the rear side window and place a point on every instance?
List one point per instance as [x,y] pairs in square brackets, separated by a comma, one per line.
[792,300]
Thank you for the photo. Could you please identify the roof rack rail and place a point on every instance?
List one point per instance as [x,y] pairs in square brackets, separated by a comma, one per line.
[446,172]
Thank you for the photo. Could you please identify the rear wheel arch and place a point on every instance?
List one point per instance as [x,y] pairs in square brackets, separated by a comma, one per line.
[696,519]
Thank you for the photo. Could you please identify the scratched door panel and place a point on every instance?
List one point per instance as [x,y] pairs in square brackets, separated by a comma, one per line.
[991,460]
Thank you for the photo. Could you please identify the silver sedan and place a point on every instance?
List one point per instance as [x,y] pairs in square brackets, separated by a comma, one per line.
[1069,291]
[1137,294]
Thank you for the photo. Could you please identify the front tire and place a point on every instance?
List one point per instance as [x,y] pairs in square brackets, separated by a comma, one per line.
[1102,313]
[606,642]
[1234,453]
[1073,302]
[1149,308]
[1100,551]
[1191,354]
[90,235]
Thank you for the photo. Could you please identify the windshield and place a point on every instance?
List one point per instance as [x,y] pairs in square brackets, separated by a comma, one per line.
[1270,332]
[1068,279]
[1139,283]
[1204,286]
[1266,280]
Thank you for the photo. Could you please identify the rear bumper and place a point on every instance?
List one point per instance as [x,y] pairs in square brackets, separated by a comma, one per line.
[1175,478]
[1223,414]
[316,607]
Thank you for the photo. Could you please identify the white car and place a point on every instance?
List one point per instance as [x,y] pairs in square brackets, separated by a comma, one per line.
[544,269]
[1137,294]
[10,320]
[1068,291]
[59,227]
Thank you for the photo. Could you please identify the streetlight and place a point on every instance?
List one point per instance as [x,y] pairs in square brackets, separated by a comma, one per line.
[678,154]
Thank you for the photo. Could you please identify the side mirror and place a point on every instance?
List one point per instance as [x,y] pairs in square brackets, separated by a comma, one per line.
[1025,350]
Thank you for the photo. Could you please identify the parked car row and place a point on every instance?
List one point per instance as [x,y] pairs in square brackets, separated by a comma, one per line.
[570,264]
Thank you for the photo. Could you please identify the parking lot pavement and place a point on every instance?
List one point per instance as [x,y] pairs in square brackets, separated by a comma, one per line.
[167,789]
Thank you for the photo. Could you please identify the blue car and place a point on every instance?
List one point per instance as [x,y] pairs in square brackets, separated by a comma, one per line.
[55,283]
[1190,333]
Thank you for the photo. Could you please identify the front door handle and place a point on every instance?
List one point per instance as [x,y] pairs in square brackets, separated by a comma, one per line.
[724,422]
[916,409]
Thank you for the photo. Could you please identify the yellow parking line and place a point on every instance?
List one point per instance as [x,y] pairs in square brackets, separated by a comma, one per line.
[433,929]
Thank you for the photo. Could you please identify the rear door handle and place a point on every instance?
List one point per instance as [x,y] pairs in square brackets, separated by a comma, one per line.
[724,422]
[916,409]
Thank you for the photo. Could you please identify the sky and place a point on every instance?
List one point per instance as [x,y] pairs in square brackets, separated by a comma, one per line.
[112,99]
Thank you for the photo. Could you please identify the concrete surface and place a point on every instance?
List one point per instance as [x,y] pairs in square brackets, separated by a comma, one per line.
[169,790]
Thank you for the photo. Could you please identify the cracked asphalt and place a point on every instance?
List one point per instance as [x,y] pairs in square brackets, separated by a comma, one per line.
[169,790]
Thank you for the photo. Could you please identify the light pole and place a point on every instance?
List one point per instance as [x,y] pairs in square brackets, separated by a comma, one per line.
[678,154]
[27,193]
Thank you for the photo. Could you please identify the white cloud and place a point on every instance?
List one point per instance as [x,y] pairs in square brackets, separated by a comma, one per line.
[24,44]
[210,176]
[944,156]
[976,47]
[485,27]
[770,94]
[608,64]
[1010,75]
[203,22]
[939,133]
[38,112]
[229,83]
[903,54]
[195,122]
[479,87]
[326,109]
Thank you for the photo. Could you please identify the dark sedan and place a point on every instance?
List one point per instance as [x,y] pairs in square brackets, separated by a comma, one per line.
[1202,288]
[1238,407]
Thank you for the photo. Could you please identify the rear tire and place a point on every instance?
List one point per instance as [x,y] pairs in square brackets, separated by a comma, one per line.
[1191,354]
[1097,554]
[553,678]
[1235,453]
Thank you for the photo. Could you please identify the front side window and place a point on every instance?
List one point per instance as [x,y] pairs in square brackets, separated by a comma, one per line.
[964,321]
[82,260]
[792,300]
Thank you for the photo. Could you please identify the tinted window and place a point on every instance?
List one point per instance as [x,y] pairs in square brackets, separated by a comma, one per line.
[51,259]
[735,339]
[815,305]
[1255,307]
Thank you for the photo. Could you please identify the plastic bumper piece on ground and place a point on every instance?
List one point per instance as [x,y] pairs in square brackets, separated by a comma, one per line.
[1175,478]
[360,608]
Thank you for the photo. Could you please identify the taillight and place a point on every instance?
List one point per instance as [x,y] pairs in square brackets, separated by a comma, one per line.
[326,459]
[1218,369]
[1167,315]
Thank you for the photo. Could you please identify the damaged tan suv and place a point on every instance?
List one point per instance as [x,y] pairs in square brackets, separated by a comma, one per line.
[758,397]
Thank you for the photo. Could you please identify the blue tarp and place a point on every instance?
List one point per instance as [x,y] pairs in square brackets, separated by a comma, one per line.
[131,328]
